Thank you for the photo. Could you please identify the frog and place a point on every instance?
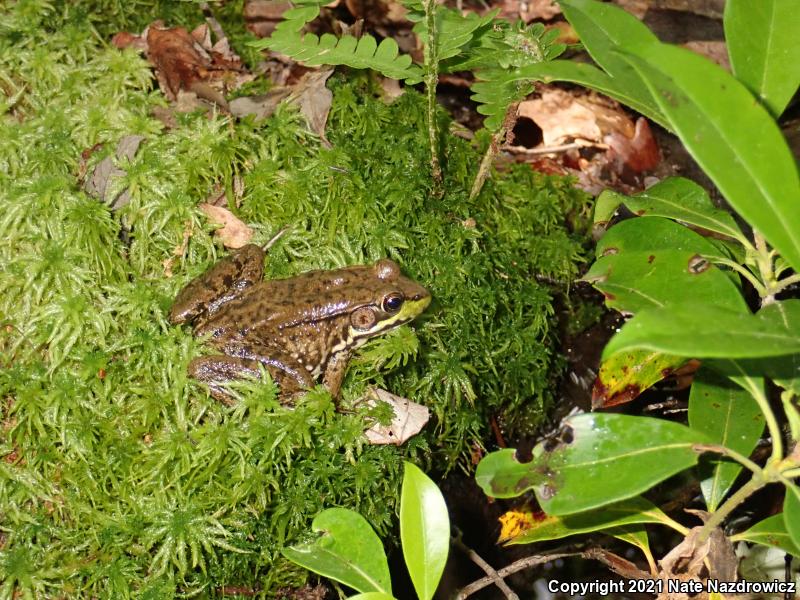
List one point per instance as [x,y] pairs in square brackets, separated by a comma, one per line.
[299,329]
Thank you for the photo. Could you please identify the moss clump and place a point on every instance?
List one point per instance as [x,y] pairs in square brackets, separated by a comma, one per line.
[119,476]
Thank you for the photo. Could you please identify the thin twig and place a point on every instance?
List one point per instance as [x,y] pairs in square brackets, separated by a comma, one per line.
[431,81]
[493,149]
[518,565]
[487,568]
[556,149]
[275,238]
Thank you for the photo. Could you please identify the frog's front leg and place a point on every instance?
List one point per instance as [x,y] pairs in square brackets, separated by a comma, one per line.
[223,282]
[335,371]
[242,361]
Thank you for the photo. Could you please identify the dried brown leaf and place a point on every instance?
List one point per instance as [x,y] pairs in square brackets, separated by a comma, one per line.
[261,16]
[409,418]
[314,99]
[638,153]
[261,106]
[233,233]
[100,183]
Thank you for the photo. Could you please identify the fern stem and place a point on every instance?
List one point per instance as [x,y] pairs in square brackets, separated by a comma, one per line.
[431,81]
[494,147]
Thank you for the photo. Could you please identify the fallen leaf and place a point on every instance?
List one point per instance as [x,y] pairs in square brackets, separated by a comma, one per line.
[390,89]
[715,50]
[690,560]
[409,418]
[233,233]
[708,8]
[314,99]
[529,10]
[310,94]
[638,8]
[260,106]
[261,16]
[638,153]
[188,62]
[100,184]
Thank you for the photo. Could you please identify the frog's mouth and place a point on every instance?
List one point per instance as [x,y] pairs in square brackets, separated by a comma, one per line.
[411,309]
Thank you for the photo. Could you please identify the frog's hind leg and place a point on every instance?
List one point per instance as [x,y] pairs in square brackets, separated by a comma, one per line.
[215,371]
[223,282]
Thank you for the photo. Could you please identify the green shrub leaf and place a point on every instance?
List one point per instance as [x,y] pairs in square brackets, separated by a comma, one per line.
[625,375]
[348,551]
[424,530]
[770,532]
[627,512]
[701,330]
[729,416]
[791,513]
[590,76]
[762,45]
[636,535]
[647,263]
[601,459]
[674,198]
[602,28]
[733,138]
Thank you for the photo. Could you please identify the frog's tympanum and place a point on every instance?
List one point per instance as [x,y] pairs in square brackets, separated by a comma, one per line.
[297,328]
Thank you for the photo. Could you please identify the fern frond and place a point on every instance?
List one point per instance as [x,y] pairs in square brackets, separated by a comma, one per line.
[293,21]
[496,91]
[508,46]
[454,30]
[363,53]
[501,60]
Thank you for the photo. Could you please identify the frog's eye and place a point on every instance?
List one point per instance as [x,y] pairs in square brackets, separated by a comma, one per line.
[393,302]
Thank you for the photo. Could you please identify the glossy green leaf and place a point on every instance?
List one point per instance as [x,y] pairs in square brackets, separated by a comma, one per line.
[730,417]
[705,331]
[769,532]
[791,513]
[783,370]
[602,28]
[674,198]
[646,263]
[424,530]
[372,596]
[501,475]
[601,459]
[636,535]
[637,97]
[627,512]
[625,375]
[733,138]
[348,551]
[762,45]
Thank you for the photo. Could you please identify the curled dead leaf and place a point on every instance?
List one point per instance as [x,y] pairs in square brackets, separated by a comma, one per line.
[100,184]
[233,233]
[409,418]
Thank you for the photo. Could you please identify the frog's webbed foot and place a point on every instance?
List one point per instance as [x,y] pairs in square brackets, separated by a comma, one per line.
[214,371]
[223,282]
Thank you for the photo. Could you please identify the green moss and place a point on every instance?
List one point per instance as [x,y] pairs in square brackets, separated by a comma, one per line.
[120,476]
